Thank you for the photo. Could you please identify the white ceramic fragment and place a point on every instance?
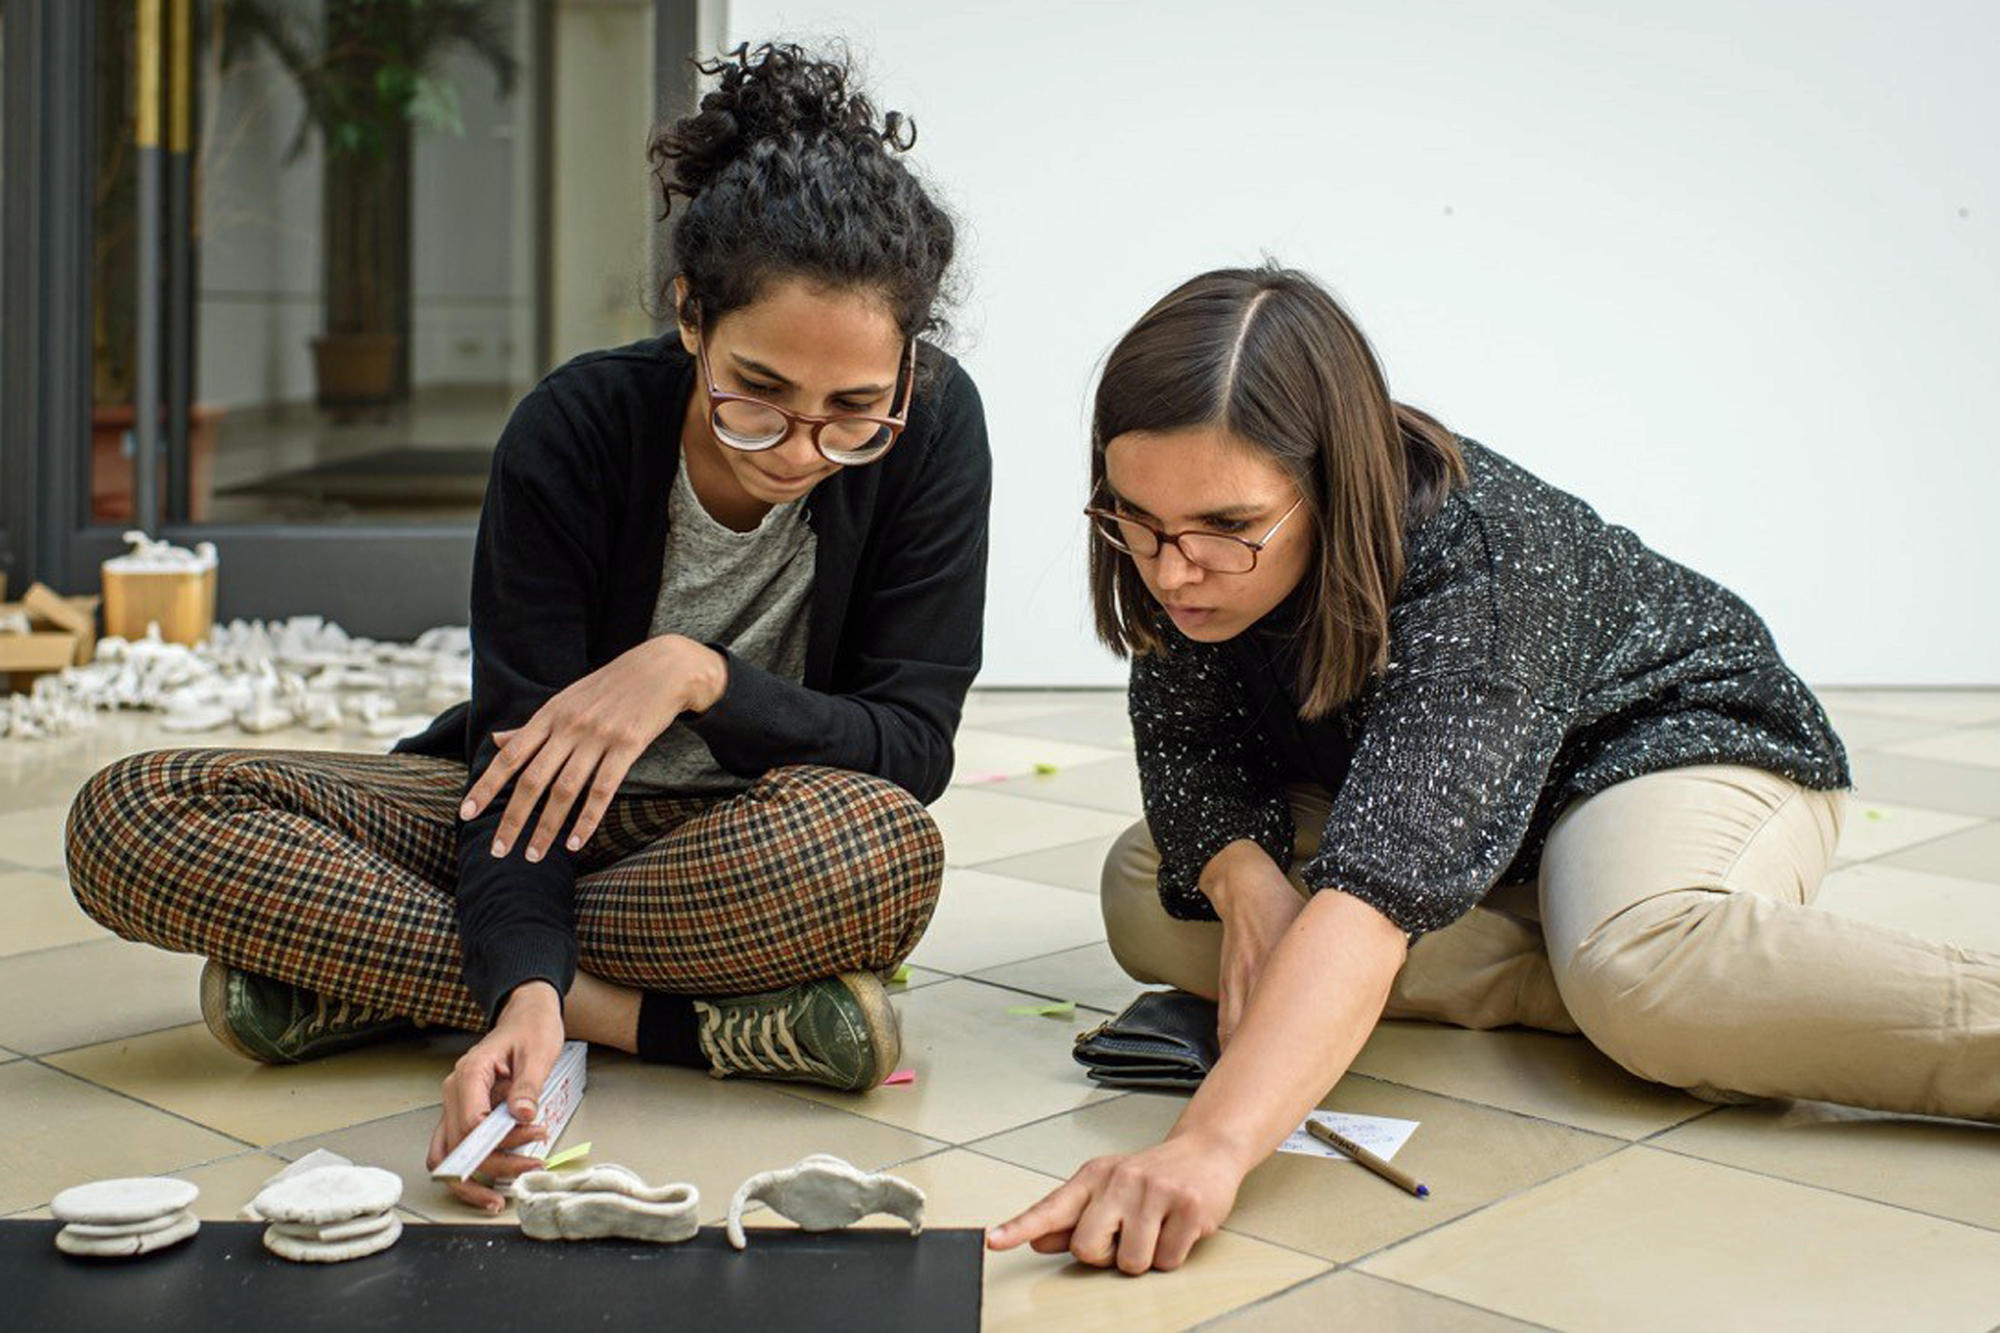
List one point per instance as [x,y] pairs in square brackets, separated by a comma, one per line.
[335,1231]
[312,1161]
[605,1201]
[125,1200]
[329,1194]
[824,1193]
[109,1230]
[303,1251]
[179,1227]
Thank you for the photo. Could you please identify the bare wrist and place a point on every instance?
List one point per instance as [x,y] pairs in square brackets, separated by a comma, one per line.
[531,997]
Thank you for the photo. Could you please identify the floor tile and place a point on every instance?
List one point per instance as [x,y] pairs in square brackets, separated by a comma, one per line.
[1110,784]
[666,1124]
[1876,828]
[1948,1168]
[1469,1156]
[1353,1300]
[34,837]
[1074,865]
[59,998]
[1971,745]
[230,1183]
[1860,729]
[981,825]
[37,911]
[1960,789]
[1108,725]
[1650,1240]
[1027,1292]
[985,920]
[1972,854]
[61,1131]
[186,1071]
[1090,976]
[979,1068]
[1543,1074]
[986,711]
[989,754]
[1964,912]
[1951,707]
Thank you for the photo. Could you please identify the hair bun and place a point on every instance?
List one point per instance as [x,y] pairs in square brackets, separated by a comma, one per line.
[776,92]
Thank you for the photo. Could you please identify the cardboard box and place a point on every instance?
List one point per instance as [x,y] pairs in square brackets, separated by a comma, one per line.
[63,633]
[181,601]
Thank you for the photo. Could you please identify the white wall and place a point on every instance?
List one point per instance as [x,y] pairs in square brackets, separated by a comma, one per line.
[1726,270]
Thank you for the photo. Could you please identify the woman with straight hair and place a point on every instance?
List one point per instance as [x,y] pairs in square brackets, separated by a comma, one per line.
[1421,736]
[726,602]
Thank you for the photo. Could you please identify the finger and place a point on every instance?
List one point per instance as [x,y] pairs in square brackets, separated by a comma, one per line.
[1056,1211]
[1139,1234]
[1095,1238]
[1054,1242]
[506,759]
[437,1149]
[470,1101]
[478,1195]
[528,790]
[1177,1236]
[569,784]
[611,771]
[502,1167]
[531,1070]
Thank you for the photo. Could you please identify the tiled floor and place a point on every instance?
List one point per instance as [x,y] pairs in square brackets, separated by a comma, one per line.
[1568,1194]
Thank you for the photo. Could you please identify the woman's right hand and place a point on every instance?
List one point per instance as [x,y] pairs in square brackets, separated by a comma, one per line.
[1257,905]
[511,1063]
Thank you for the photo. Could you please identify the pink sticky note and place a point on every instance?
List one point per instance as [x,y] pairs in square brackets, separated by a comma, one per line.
[900,1076]
[981,779]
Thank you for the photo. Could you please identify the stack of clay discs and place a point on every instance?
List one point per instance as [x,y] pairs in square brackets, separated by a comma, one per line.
[122,1219]
[331,1213]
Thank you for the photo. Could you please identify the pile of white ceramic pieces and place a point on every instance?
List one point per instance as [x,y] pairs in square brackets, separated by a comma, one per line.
[122,1219]
[330,1214]
[256,676]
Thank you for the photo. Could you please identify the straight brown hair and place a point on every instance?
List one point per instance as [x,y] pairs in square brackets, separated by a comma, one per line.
[1270,356]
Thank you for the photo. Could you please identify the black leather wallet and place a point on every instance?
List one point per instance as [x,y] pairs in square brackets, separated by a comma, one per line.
[1163,1039]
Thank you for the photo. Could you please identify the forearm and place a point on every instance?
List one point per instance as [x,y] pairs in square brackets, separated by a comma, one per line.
[1315,1004]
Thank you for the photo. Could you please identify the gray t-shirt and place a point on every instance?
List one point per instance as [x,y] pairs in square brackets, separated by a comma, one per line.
[748,591]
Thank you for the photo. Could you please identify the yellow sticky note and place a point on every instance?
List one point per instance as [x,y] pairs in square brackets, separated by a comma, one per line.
[1046,770]
[901,976]
[566,1156]
[1062,1009]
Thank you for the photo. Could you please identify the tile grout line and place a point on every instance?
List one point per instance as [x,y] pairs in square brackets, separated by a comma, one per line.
[1825,1189]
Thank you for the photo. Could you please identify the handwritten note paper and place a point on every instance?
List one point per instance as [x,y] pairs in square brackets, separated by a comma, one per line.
[1380,1134]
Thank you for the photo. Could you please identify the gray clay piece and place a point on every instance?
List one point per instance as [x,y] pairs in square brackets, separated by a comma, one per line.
[605,1201]
[824,1193]
[180,1227]
[302,1251]
[329,1194]
[130,1199]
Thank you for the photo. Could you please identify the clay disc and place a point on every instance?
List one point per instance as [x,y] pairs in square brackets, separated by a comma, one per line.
[335,1231]
[127,1247]
[107,1231]
[329,1194]
[132,1199]
[331,1252]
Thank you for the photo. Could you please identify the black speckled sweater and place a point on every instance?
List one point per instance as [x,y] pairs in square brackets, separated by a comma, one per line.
[1538,655]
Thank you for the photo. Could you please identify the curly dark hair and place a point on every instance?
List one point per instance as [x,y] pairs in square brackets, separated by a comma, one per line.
[787,170]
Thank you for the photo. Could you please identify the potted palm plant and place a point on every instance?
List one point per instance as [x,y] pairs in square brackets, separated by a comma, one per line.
[369,74]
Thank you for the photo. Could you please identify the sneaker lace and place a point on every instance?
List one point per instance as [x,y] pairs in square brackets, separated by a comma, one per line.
[756,1039]
[331,1016]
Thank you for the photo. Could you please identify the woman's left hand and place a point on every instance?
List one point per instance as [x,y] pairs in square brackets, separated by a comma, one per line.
[1142,1211]
[587,738]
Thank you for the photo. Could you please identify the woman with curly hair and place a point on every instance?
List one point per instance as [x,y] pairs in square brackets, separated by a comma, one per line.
[726,604]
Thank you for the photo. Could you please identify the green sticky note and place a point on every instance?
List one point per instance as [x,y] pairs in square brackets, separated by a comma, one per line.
[566,1156]
[901,977]
[1046,770]
[1878,814]
[1060,1009]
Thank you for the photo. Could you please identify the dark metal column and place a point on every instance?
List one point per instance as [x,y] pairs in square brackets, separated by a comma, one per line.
[146,393]
[180,252]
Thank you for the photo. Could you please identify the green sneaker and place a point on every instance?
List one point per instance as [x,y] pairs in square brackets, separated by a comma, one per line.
[838,1032]
[276,1023]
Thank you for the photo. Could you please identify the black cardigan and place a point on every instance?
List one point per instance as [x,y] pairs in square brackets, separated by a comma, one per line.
[1537,655]
[566,572]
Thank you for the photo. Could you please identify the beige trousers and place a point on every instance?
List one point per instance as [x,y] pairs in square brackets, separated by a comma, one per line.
[1672,925]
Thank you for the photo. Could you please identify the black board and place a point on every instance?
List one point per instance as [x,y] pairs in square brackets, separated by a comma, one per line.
[489,1279]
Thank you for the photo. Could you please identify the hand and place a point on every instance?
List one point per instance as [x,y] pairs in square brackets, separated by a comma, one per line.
[511,1062]
[1145,1210]
[587,738]
[1257,905]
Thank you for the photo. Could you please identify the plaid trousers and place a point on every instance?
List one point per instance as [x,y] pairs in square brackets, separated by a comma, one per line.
[337,872]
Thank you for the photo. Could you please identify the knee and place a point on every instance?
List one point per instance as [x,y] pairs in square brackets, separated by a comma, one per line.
[112,818]
[1129,897]
[1649,987]
[871,823]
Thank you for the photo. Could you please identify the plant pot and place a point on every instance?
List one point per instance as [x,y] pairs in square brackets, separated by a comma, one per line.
[111,453]
[355,369]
